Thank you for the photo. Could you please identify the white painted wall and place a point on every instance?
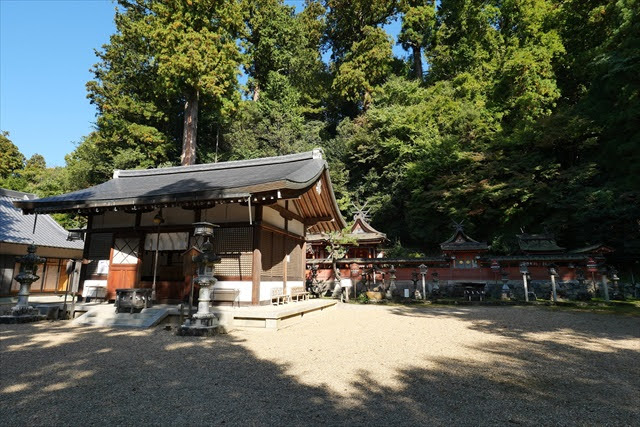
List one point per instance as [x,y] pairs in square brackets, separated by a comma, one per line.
[294,284]
[272,217]
[265,288]
[296,227]
[244,287]
[114,219]
[228,212]
[172,216]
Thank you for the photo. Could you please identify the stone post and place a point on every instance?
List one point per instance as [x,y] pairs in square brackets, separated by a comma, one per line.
[605,287]
[524,271]
[423,273]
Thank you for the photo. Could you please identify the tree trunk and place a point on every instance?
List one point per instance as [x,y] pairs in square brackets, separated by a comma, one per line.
[190,129]
[256,93]
[417,61]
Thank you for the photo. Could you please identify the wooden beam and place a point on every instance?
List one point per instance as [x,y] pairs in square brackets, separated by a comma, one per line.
[286,213]
[256,263]
[315,220]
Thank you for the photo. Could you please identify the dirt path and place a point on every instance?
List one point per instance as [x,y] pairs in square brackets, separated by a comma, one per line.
[354,365]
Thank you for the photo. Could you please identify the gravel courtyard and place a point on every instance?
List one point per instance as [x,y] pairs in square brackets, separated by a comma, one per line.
[353,365]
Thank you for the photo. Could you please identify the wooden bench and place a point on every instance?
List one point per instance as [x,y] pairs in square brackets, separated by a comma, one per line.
[227,295]
[278,296]
[299,292]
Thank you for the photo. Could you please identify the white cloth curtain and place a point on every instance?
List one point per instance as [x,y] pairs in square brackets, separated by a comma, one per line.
[168,241]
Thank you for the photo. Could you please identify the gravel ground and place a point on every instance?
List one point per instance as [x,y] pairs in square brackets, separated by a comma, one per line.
[353,365]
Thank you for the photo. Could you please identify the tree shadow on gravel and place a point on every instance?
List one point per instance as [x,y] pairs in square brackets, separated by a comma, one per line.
[514,321]
[53,374]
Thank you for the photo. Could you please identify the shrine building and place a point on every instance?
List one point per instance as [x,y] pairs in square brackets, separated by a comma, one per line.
[140,224]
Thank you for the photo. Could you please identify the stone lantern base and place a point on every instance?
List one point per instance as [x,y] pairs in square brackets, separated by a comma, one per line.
[21,315]
[200,327]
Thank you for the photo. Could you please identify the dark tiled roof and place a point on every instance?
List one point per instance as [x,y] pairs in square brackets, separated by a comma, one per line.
[459,241]
[18,228]
[214,181]
[538,243]
[597,248]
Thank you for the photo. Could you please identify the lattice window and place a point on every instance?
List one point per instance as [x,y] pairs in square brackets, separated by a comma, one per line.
[125,250]
[99,249]
[235,246]
[278,253]
[294,266]
[235,265]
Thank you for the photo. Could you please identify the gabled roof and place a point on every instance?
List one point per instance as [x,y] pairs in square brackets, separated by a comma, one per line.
[598,248]
[18,228]
[361,231]
[286,177]
[459,241]
[538,243]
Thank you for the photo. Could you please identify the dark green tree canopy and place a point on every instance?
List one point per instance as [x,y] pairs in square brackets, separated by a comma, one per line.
[526,114]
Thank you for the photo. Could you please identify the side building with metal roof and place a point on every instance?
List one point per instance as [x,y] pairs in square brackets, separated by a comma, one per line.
[263,207]
[17,231]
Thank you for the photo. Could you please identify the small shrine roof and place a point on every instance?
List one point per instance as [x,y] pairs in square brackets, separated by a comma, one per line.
[538,243]
[360,230]
[459,241]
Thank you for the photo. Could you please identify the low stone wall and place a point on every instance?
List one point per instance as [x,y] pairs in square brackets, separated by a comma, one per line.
[570,290]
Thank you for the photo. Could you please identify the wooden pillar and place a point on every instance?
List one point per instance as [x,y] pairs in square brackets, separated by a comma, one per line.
[256,264]
[85,252]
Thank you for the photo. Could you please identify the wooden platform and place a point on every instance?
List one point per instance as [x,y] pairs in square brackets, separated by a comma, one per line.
[274,317]
[267,317]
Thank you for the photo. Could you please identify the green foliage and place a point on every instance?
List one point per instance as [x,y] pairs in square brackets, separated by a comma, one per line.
[528,114]
[348,19]
[365,66]
[418,25]
[269,128]
[11,159]
[397,251]
[161,55]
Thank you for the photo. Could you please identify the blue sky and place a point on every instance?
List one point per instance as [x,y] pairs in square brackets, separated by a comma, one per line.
[46,51]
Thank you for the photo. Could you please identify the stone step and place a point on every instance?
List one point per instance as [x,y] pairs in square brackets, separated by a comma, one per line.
[107,317]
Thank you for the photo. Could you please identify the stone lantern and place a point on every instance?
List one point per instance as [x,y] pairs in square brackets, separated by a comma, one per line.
[505,294]
[618,293]
[28,269]
[436,282]
[393,290]
[23,312]
[204,322]
[414,279]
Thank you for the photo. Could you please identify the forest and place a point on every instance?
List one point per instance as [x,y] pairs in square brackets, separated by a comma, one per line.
[508,115]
